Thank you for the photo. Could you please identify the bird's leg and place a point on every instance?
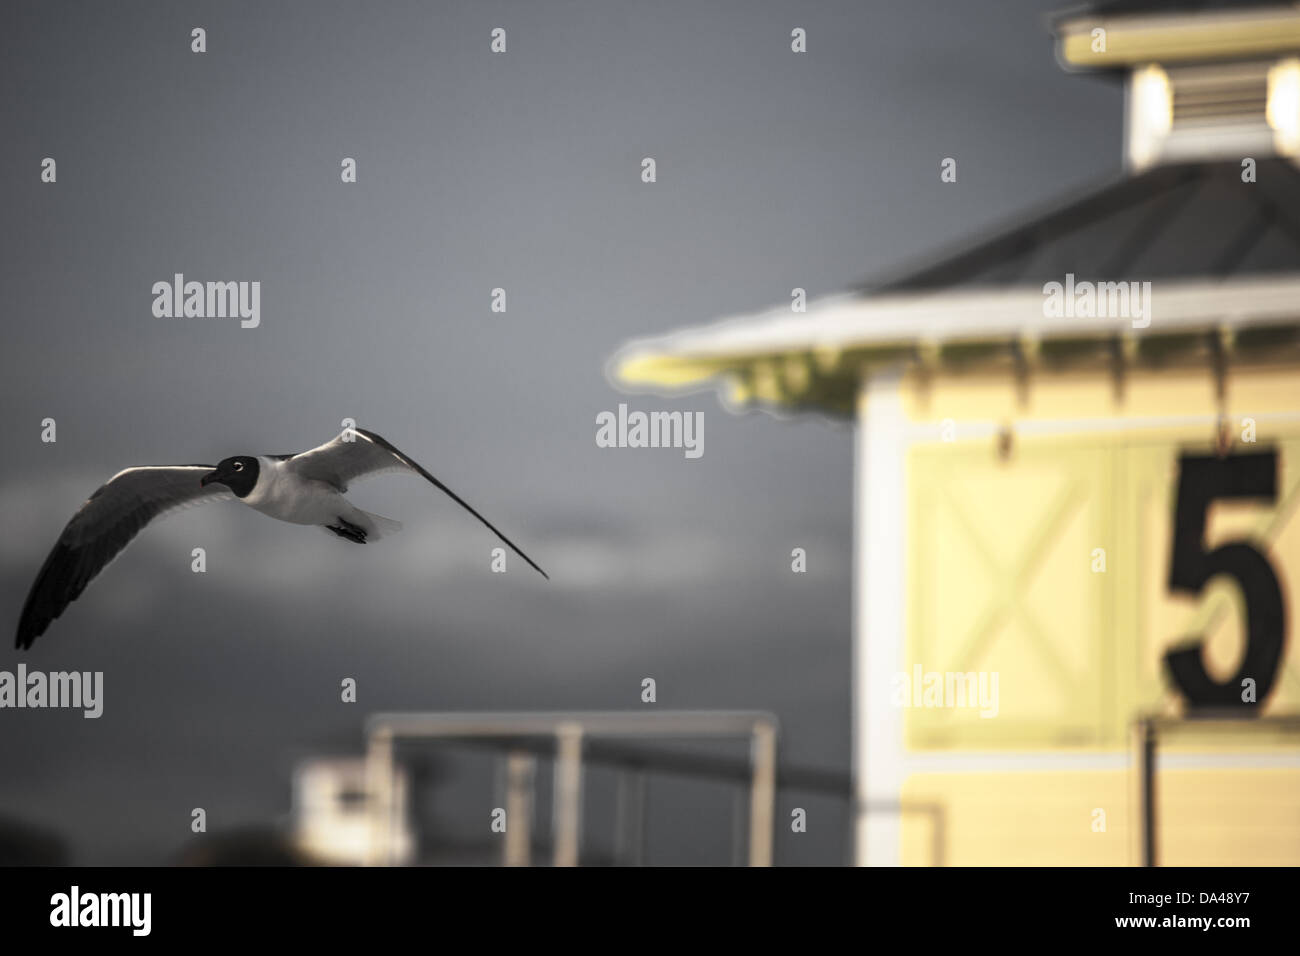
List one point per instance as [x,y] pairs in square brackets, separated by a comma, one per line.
[346,529]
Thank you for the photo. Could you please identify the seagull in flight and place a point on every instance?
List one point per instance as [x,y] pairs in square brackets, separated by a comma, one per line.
[302,489]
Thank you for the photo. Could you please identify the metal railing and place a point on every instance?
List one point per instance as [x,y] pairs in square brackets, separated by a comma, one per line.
[571,737]
[1148,732]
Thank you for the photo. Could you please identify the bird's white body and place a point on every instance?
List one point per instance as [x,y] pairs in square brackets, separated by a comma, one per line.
[283,494]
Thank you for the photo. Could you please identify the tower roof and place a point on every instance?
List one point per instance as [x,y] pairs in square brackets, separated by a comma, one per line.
[1222,257]
[1175,221]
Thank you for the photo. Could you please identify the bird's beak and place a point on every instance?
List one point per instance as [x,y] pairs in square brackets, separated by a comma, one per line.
[209,479]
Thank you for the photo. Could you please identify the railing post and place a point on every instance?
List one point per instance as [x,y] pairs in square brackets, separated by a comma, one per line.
[1147,782]
[379,796]
[568,793]
[520,773]
[762,794]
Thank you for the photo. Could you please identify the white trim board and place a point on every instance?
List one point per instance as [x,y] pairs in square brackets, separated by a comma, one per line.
[845,321]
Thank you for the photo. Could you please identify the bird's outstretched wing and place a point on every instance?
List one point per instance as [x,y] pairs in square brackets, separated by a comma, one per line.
[101,528]
[357,453]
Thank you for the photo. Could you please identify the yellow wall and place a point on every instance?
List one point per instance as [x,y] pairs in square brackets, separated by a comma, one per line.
[1213,817]
[1000,579]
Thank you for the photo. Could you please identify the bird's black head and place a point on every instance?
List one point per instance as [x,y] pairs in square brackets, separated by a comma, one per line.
[239,474]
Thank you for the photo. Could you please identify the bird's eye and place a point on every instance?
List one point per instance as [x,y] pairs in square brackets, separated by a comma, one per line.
[239,466]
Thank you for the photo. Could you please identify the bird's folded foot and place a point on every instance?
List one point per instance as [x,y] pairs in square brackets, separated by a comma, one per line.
[346,529]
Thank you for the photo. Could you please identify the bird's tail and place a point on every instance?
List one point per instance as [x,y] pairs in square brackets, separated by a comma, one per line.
[380,527]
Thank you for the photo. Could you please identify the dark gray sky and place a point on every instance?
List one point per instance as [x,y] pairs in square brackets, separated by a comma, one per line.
[476,170]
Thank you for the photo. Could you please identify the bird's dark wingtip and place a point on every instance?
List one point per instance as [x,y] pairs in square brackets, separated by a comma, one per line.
[531,563]
[392,449]
[28,631]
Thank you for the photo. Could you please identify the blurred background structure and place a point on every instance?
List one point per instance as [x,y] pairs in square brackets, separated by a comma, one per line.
[1092,503]
[568,739]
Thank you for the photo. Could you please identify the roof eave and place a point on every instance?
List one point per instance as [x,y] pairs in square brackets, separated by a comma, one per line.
[818,359]
[1132,39]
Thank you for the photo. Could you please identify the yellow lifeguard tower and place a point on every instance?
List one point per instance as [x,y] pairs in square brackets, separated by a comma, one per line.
[1077,574]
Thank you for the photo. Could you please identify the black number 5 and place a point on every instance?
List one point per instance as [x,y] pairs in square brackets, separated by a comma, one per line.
[1202,480]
